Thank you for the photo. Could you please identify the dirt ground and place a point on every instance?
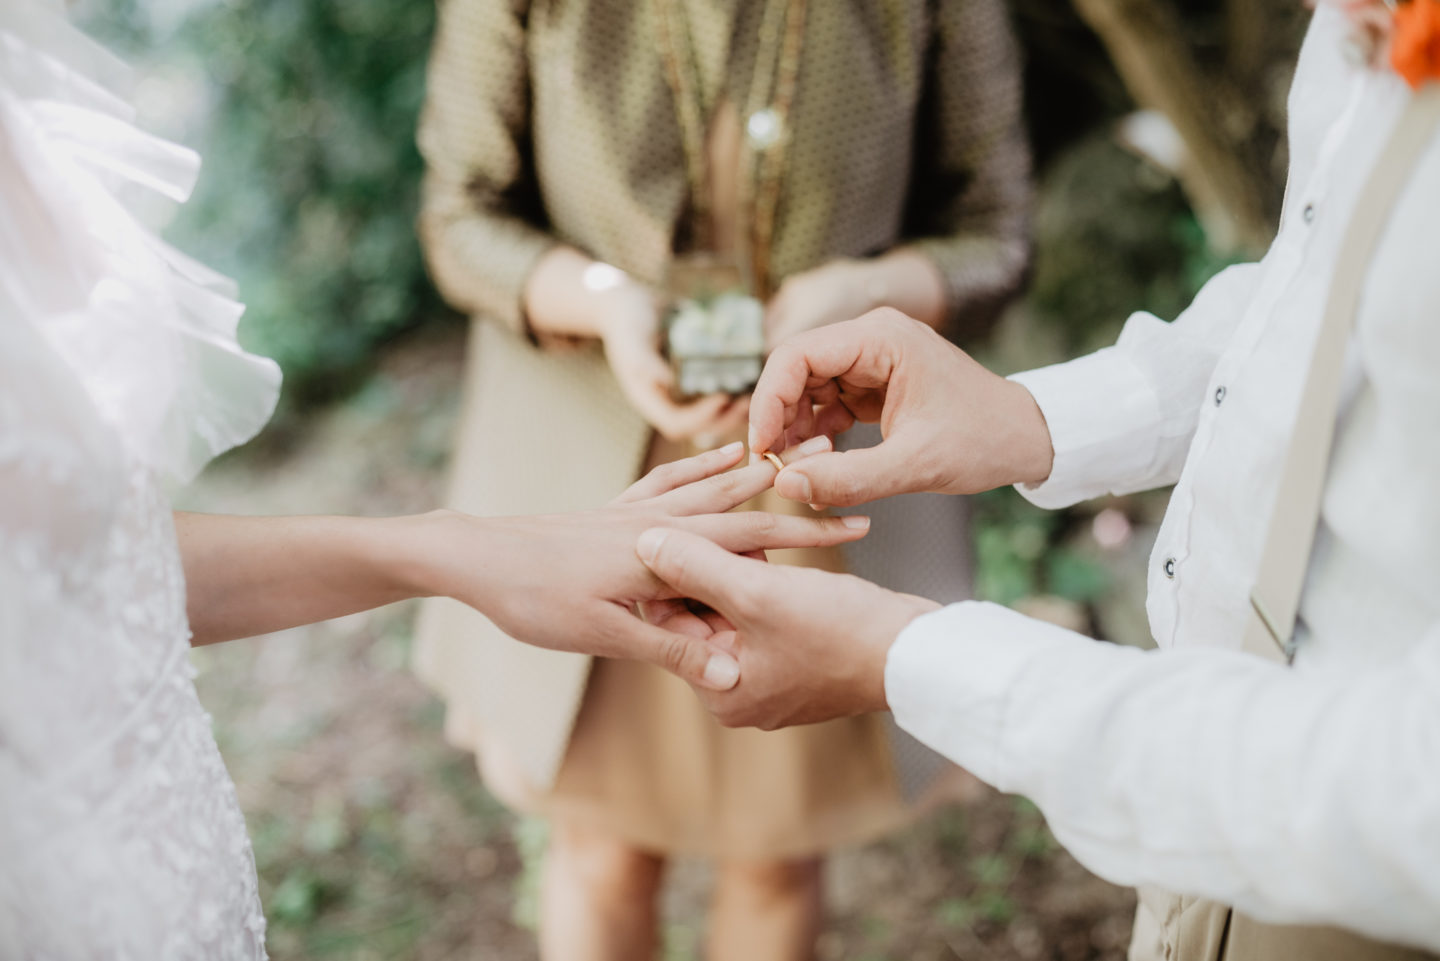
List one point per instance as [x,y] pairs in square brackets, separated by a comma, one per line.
[375,840]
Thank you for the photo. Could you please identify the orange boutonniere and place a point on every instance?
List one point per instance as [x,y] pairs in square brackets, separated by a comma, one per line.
[1404,32]
[1415,42]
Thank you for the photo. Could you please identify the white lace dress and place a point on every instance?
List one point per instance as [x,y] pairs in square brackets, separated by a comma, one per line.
[120,833]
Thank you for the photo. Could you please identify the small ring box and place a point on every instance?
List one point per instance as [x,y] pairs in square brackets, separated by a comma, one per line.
[714,331]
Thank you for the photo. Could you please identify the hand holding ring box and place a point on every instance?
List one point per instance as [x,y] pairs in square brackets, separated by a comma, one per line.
[714,331]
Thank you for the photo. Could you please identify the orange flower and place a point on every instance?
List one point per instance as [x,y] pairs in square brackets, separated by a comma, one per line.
[1415,50]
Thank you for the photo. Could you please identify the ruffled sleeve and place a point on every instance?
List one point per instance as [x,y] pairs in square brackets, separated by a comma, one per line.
[149,333]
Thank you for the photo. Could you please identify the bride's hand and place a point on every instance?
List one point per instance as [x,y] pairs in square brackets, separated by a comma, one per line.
[572,582]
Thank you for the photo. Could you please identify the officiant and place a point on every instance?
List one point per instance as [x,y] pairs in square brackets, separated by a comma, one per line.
[602,172]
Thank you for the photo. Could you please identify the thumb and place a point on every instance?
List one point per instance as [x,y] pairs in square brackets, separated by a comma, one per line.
[689,658]
[697,568]
[844,479]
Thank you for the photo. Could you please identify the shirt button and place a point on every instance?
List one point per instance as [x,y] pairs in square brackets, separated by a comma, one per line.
[1308,213]
[1219,395]
[1169,568]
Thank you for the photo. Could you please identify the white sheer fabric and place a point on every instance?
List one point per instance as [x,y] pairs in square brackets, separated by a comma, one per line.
[120,833]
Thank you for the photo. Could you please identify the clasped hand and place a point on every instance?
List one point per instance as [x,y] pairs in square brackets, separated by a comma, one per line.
[572,582]
[812,645]
[949,424]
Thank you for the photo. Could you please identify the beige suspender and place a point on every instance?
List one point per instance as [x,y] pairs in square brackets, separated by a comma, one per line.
[1275,599]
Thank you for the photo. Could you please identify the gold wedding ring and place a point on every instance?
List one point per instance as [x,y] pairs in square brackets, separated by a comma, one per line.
[774,458]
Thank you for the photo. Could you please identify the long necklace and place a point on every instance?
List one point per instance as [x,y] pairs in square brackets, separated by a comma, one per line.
[767,135]
[767,114]
[682,72]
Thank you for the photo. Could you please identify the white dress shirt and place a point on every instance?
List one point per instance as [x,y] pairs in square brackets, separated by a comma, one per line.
[1304,795]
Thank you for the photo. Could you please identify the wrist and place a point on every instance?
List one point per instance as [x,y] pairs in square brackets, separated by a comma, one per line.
[414,551]
[568,294]
[899,615]
[620,304]
[1033,450]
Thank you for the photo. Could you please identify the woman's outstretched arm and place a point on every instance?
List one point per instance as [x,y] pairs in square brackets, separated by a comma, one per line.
[253,575]
[565,581]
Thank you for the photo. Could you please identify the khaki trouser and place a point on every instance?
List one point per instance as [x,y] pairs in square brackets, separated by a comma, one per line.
[1173,928]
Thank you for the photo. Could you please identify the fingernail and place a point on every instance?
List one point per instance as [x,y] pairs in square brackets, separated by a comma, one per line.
[815,445]
[721,672]
[648,545]
[793,485]
[856,522]
[730,450]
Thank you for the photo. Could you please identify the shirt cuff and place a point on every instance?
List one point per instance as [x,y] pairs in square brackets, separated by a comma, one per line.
[949,675]
[1102,412]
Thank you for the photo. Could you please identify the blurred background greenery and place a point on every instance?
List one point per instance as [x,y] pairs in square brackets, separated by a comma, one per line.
[373,839]
[305,114]
[305,110]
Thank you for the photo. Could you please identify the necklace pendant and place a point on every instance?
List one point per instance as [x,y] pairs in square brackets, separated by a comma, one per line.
[764,128]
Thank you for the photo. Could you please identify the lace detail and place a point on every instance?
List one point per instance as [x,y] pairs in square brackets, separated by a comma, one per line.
[120,833]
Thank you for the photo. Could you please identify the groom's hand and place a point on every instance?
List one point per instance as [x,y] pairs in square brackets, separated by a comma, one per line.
[949,425]
[811,645]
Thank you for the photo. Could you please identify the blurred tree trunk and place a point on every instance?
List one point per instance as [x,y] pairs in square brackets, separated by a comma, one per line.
[1228,173]
[1246,27]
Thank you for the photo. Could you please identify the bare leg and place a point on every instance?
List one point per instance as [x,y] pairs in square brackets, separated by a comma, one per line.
[766,910]
[597,898]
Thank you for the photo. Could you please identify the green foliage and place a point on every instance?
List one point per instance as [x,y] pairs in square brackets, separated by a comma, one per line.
[1020,552]
[339,874]
[1113,235]
[1074,577]
[310,187]
[296,899]
[992,896]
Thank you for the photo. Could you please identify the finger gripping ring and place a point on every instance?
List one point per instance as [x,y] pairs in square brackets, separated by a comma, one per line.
[774,458]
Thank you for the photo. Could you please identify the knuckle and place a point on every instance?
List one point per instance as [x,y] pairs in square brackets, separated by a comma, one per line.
[840,492]
[665,475]
[674,654]
[889,317]
[727,485]
[788,352]
[610,633]
[901,325]
[828,529]
[763,523]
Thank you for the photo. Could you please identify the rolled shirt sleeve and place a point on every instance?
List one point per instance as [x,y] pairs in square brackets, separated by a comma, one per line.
[1300,798]
[1121,419]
